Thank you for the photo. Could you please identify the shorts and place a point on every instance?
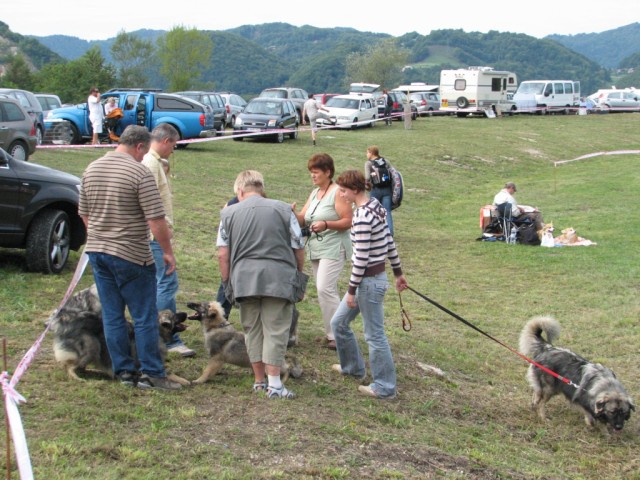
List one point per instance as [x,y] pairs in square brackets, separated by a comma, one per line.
[96,125]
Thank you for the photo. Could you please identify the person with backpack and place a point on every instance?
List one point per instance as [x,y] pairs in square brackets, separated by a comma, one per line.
[377,173]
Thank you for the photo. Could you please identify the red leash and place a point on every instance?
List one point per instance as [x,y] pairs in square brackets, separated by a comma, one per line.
[469,324]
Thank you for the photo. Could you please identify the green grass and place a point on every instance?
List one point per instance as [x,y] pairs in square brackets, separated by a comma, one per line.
[477,426]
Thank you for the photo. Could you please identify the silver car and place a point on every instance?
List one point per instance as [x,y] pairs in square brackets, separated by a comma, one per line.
[17,129]
[427,103]
[234,105]
[616,100]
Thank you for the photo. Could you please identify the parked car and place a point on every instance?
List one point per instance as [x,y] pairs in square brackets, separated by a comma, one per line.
[48,102]
[297,95]
[17,130]
[43,218]
[427,103]
[351,111]
[322,98]
[616,100]
[265,114]
[234,105]
[31,104]
[397,110]
[214,102]
[142,107]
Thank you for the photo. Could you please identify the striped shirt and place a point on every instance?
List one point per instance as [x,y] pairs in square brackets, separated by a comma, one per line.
[372,242]
[119,195]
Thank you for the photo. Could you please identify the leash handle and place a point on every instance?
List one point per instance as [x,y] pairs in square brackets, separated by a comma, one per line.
[406,321]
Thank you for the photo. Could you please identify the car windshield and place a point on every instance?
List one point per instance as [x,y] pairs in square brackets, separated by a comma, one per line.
[274,94]
[264,108]
[336,102]
[533,87]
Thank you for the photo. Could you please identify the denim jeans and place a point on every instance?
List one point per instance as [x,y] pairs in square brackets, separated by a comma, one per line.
[370,299]
[383,195]
[123,284]
[222,300]
[167,287]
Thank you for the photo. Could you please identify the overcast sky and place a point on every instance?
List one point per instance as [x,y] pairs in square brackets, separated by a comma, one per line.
[103,20]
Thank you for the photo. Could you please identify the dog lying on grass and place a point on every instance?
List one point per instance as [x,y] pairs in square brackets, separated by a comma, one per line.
[599,393]
[226,345]
[79,335]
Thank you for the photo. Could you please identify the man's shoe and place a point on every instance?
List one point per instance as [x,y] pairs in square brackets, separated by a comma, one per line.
[369,392]
[337,368]
[127,378]
[157,383]
[331,345]
[182,349]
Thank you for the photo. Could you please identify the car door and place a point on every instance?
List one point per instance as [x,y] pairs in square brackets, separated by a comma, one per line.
[291,115]
[12,198]
[129,110]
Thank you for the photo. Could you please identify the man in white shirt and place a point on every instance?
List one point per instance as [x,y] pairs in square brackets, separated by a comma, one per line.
[314,112]
[518,212]
[96,114]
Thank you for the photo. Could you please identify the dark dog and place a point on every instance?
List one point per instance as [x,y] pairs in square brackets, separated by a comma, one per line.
[224,344]
[79,335]
[600,394]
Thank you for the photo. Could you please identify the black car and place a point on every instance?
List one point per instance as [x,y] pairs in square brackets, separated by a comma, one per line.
[397,109]
[39,213]
[215,103]
[265,114]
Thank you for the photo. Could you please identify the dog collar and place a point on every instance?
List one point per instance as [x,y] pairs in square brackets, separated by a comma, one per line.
[222,325]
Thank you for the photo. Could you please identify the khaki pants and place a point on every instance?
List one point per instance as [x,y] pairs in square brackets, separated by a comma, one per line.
[266,322]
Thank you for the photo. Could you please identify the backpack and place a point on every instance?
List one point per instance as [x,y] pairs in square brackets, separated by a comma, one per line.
[528,235]
[397,187]
[380,176]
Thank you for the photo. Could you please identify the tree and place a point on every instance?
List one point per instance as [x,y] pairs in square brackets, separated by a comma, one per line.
[18,74]
[132,56]
[72,80]
[381,63]
[184,54]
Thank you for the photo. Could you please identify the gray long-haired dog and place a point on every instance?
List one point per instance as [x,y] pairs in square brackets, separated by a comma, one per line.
[600,394]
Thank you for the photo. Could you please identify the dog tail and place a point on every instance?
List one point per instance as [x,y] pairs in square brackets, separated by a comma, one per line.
[531,340]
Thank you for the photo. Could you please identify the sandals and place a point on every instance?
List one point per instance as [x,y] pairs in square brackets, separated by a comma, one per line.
[259,387]
[280,393]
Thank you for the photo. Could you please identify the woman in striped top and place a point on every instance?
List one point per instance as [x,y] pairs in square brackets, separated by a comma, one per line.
[372,245]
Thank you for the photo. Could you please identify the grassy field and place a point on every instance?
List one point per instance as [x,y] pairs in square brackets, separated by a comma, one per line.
[479,424]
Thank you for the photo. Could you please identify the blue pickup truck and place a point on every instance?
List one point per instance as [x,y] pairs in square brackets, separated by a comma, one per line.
[143,107]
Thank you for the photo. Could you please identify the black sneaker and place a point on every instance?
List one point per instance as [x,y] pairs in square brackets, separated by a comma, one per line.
[127,378]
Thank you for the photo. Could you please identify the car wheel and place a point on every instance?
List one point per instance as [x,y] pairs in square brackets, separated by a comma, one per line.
[233,121]
[293,135]
[48,242]
[280,137]
[18,150]
[39,136]
[76,139]
[414,115]
[354,126]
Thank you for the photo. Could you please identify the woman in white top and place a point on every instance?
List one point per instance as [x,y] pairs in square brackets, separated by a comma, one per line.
[96,114]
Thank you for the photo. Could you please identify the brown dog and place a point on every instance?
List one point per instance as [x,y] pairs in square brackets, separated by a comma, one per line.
[224,344]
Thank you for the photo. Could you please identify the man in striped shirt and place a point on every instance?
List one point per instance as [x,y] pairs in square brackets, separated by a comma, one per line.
[119,203]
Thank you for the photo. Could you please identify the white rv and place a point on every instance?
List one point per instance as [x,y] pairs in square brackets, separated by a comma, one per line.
[545,96]
[477,90]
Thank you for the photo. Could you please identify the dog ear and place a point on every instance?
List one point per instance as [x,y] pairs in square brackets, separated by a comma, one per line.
[180,317]
[632,406]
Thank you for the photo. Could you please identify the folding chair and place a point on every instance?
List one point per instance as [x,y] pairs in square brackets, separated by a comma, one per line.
[504,215]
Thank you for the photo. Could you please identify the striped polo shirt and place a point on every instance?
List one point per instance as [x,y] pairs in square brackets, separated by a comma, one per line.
[118,195]
[372,242]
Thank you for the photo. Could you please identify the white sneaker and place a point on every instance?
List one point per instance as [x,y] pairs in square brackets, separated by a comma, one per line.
[182,350]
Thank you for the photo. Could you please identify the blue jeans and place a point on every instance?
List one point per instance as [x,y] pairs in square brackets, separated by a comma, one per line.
[370,299]
[222,300]
[167,287]
[383,195]
[125,284]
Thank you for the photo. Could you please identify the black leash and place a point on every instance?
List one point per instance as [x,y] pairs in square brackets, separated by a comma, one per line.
[471,325]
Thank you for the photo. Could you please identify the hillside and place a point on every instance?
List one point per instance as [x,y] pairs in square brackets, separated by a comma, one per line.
[607,48]
[249,58]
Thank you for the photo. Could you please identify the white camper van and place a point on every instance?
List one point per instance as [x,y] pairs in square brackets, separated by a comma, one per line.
[546,96]
[477,90]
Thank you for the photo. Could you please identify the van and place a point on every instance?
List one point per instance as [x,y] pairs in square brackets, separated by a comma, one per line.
[547,96]
[477,90]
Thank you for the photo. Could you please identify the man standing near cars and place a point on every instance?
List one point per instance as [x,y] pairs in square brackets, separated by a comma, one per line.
[163,140]
[314,111]
[96,114]
[260,252]
[119,203]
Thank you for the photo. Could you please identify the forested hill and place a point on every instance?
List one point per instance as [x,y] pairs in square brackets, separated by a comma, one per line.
[249,58]
[609,48]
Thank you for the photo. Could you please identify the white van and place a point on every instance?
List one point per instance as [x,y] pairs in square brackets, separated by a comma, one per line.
[545,96]
[477,90]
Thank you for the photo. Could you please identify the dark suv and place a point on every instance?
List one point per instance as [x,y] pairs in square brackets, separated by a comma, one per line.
[215,103]
[297,95]
[39,213]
